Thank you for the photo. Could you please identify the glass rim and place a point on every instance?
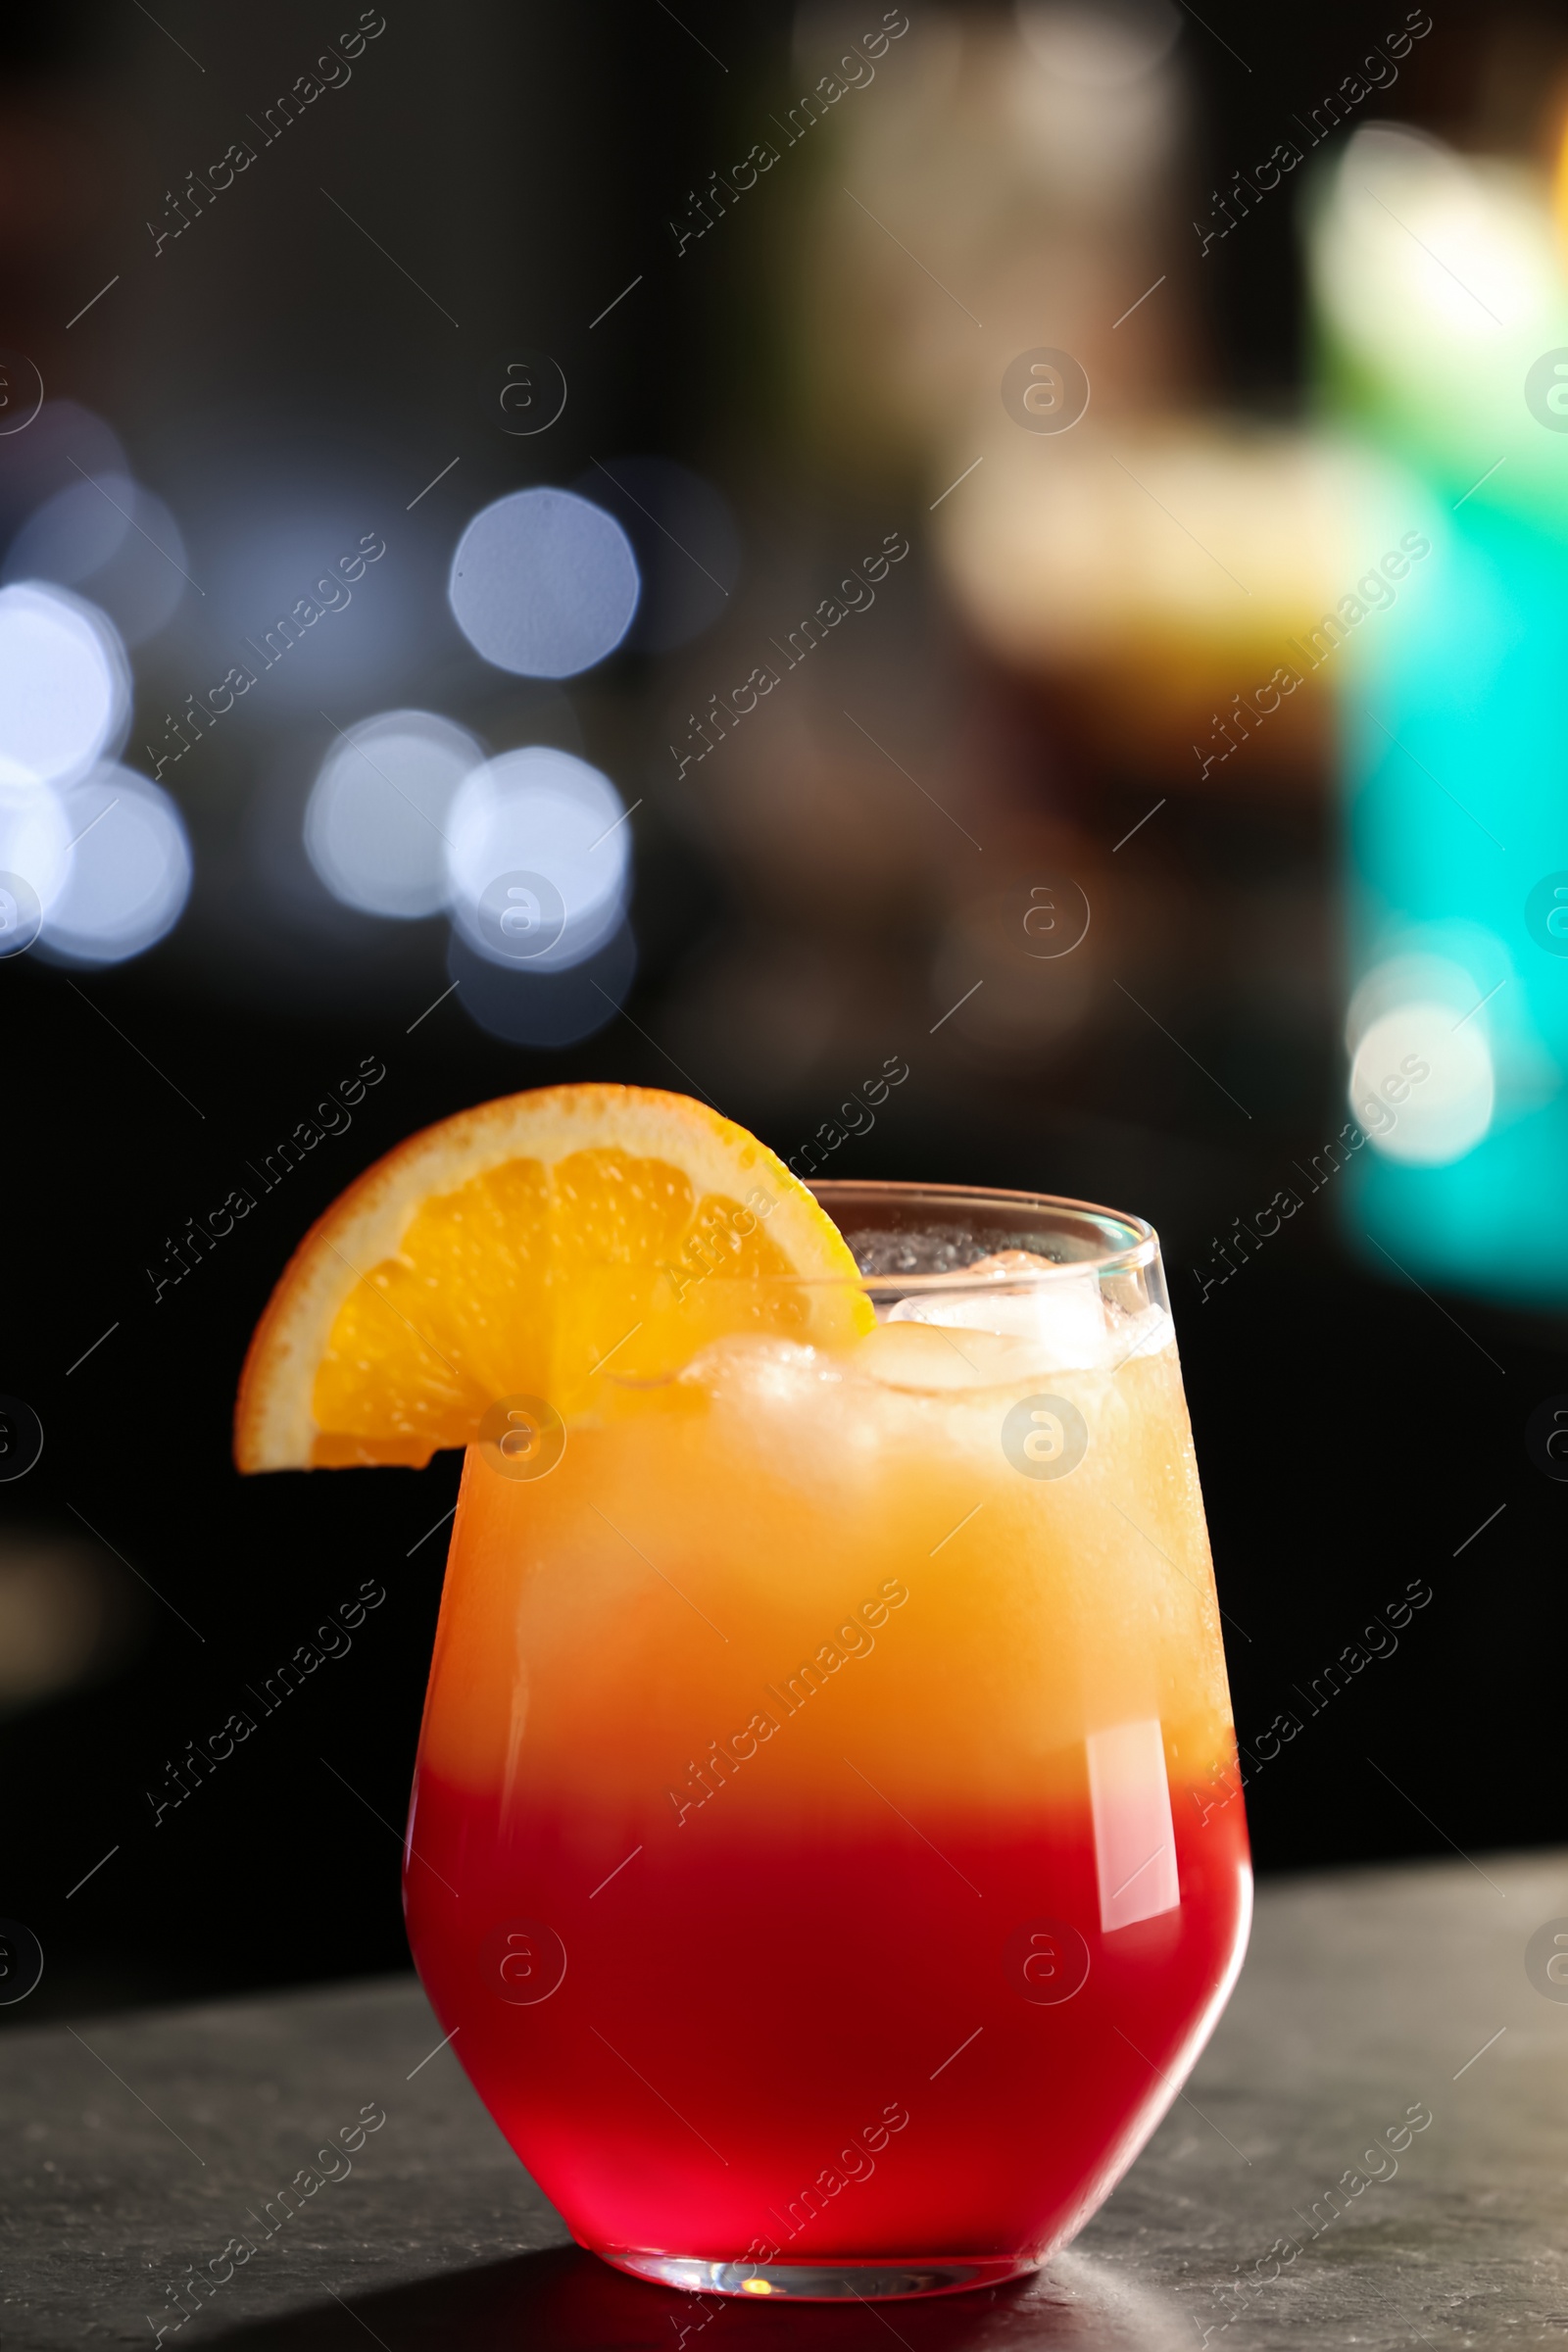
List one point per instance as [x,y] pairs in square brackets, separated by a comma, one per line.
[1140,1248]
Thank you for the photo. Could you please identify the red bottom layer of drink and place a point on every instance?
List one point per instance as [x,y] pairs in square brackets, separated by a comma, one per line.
[803,2044]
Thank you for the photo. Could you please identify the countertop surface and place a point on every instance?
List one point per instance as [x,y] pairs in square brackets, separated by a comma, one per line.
[135,2144]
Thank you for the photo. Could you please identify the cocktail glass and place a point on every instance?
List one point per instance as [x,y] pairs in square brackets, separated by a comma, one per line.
[826,1847]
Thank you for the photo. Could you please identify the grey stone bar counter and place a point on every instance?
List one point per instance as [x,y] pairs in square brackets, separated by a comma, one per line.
[136,2144]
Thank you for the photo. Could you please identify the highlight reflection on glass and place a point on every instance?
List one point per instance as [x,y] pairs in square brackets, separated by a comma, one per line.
[826,1840]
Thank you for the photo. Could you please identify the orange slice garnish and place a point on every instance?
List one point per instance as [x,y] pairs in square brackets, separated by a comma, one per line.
[536,1246]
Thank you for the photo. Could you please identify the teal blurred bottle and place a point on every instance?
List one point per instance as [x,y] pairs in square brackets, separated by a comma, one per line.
[1443,341]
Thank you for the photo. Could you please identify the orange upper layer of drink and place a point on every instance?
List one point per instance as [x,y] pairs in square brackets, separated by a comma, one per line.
[716,1548]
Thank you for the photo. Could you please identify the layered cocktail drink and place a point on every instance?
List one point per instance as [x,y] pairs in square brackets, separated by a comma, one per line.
[815,1848]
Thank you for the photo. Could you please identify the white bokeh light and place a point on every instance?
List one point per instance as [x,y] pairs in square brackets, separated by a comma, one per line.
[543,813]
[129,870]
[1422,1084]
[1416,241]
[64,686]
[377,825]
[544,583]
[35,839]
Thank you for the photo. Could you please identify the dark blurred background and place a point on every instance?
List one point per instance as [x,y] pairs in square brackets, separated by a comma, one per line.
[856,870]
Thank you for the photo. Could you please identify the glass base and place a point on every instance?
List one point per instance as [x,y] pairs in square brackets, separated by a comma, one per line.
[862,2279]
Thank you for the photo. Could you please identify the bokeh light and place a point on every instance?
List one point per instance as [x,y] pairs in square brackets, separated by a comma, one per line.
[302,586]
[64,443]
[1411,227]
[67,1611]
[34,844]
[115,541]
[129,869]
[540,814]
[72,533]
[544,583]
[1102,46]
[64,685]
[550,1009]
[1422,1084]
[376,827]
[685,541]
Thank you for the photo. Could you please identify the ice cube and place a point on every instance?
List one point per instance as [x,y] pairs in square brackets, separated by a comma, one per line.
[1061,1320]
[908,1354]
